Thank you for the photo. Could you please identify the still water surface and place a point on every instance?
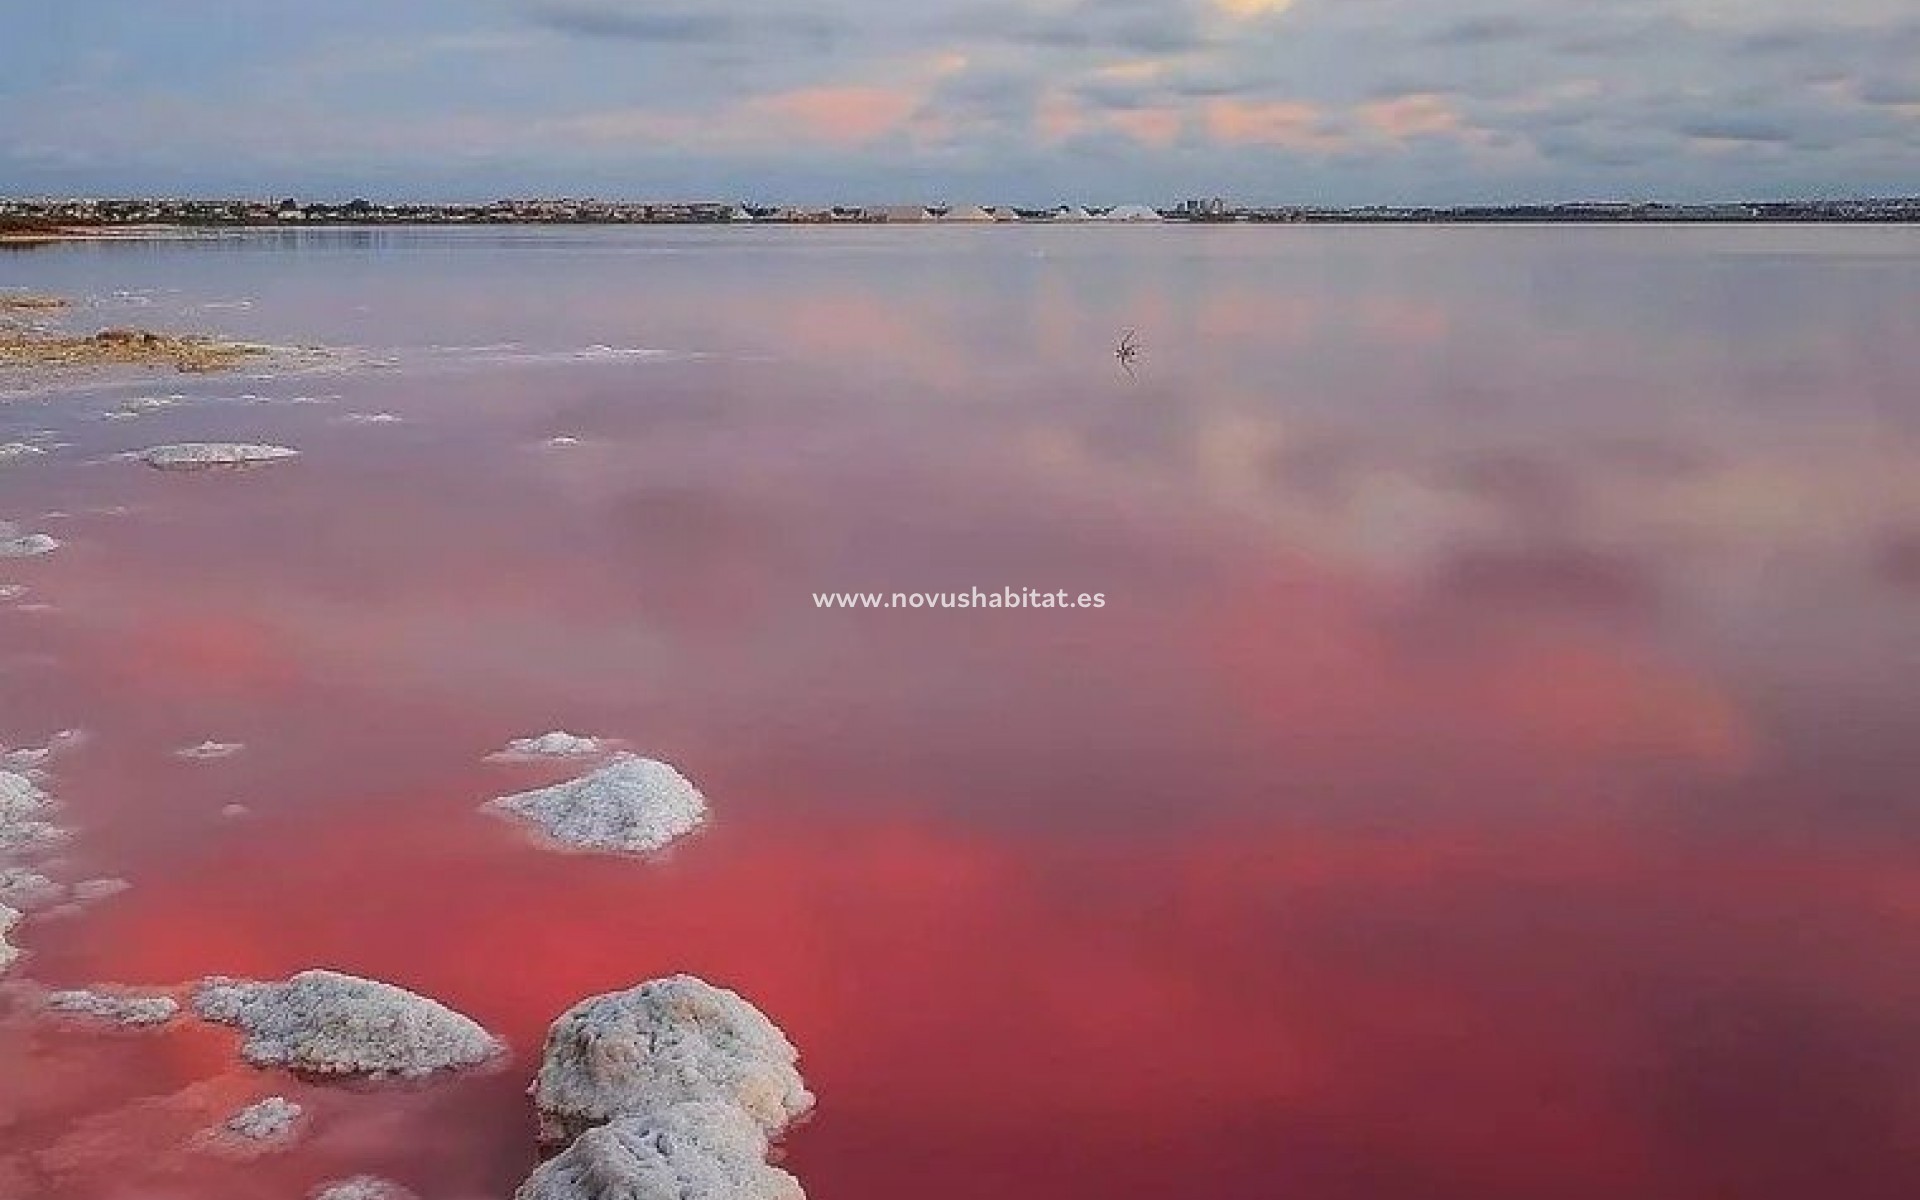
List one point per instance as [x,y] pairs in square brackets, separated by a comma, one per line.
[1495,772]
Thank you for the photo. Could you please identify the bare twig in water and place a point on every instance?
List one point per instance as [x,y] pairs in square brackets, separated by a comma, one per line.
[1128,350]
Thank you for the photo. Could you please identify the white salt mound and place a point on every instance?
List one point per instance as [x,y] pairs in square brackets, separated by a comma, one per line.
[327,1023]
[187,456]
[665,1043]
[8,953]
[133,1012]
[268,1120]
[690,1152]
[632,805]
[31,545]
[361,1187]
[207,751]
[558,744]
[22,807]
[28,890]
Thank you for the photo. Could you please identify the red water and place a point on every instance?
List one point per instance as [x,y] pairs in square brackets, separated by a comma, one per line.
[1492,774]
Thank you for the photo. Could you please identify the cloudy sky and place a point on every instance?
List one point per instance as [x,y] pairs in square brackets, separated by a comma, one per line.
[1026,101]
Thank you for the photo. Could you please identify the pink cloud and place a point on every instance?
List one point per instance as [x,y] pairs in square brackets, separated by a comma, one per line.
[1422,115]
[1290,123]
[1157,127]
[843,115]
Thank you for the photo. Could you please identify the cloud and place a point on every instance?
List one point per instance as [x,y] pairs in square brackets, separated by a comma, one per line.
[1349,100]
[675,21]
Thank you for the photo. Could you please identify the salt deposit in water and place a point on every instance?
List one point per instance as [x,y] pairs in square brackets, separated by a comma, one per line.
[558,744]
[272,1118]
[28,890]
[114,1008]
[207,751]
[665,1043]
[632,805]
[688,1152]
[15,544]
[361,1187]
[195,456]
[23,810]
[328,1023]
[9,953]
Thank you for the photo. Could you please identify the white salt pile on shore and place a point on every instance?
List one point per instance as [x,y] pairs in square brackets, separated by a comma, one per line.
[327,1023]
[671,1090]
[558,744]
[632,805]
[195,456]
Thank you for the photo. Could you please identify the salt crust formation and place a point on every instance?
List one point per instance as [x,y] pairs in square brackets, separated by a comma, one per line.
[209,750]
[269,1120]
[113,1008]
[558,744]
[671,1090]
[190,456]
[632,805]
[672,1041]
[689,1152]
[327,1023]
[9,917]
[15,544]
[23,808]
[361,1187]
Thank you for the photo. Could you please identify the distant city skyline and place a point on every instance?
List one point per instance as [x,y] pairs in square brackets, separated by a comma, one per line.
[1025,102]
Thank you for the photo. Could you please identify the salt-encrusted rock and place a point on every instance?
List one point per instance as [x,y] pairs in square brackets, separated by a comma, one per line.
[272,1118]
[672,1041]
[690,1152]
[23,808]
[234,812]
[12,591]
[26,758]
[265,1127]
[29,545]
[632,805]
[8,953]
[27,890]
[190,456]
[10,450]
[558,744]
[361,1187]
[209,750]
[132,1012]
[327,1023]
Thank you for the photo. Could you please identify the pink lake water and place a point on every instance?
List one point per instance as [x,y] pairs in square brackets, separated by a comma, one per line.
[1495,772]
